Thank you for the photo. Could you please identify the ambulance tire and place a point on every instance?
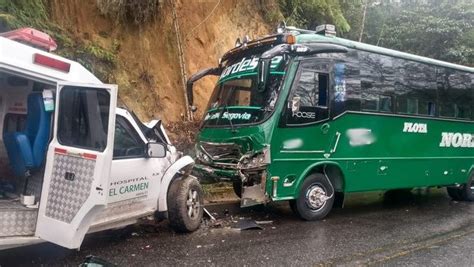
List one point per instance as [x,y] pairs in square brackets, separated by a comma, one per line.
[185,204]
[309,206]
[237,186]
[463,193]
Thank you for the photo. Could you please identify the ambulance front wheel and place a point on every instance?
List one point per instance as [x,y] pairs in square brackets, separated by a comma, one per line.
[185,204]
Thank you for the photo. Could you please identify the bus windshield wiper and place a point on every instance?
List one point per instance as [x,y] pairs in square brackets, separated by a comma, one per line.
[232,128]
[224,105]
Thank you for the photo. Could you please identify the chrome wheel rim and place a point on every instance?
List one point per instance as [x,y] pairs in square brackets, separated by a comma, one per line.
[192,204]
[316,197]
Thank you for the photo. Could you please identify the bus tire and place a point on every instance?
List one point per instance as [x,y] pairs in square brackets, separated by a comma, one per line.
[463,193]
[454,193]
[237,186]
[292,203]
[311,205]
[185,204]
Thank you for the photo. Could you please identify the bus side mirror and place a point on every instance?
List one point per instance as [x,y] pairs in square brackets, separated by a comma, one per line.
[263,73]
[295,104]
[155,150]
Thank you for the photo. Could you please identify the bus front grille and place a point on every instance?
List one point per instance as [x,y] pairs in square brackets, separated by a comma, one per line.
[222,152]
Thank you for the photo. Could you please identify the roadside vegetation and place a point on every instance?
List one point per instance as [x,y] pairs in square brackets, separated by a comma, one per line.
[441,29]
[308,14]
[137,12]
[35,13]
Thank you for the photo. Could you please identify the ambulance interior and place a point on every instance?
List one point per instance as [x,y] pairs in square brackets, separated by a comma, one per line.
[25,131]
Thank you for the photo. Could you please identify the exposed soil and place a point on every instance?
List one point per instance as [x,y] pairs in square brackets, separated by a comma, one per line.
[147,69]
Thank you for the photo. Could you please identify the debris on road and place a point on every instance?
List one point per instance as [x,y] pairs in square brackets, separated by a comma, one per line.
[247,224]
[96,262]
[264,222]
[208,214]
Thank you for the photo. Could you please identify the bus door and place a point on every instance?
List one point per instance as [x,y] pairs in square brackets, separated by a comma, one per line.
[306,129]
[78,162]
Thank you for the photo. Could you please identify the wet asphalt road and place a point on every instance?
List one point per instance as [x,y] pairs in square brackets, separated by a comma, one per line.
[407,229]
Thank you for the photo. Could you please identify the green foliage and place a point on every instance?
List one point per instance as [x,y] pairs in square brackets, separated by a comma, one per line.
[99,60]
[31,13]
[441,29]
[34,13]
[353,12]
[100,53]
[20,13]
[137,12]
[310,13]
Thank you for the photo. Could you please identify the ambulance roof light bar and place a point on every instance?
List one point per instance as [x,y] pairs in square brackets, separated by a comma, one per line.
[32,37]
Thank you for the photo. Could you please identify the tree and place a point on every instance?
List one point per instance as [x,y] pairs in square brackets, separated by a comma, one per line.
[308,14]
[441,29]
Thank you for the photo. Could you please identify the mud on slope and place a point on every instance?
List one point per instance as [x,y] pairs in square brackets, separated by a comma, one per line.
[147,67]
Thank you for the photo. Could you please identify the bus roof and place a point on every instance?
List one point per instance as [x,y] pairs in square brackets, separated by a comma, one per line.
[318,38]
[311,38]
[21,59]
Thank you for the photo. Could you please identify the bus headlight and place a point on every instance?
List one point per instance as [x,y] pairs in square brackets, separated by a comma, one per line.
[202,156]
[257,160]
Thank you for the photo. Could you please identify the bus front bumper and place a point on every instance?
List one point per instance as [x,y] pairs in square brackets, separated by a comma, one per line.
[208,174]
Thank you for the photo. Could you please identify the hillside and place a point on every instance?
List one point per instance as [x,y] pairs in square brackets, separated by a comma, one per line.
[143,57]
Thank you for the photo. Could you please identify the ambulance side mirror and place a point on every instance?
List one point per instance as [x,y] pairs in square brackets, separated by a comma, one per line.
[155,150]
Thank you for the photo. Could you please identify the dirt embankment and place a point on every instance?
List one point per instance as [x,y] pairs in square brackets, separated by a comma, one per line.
[146,59]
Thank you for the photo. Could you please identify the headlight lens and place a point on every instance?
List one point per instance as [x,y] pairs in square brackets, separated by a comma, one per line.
[257,160]
[202,156]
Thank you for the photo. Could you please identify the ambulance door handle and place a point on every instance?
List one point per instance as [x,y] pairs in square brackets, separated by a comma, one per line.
[70,176]
[100,190]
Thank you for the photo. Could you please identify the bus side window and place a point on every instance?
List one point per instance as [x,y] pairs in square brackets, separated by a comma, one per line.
[412,106]
[416,88]
[377,82]
[312,91]
[455,94]
[462,111]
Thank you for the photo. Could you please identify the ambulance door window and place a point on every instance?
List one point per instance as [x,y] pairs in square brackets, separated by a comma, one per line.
[84,118]
[127,143]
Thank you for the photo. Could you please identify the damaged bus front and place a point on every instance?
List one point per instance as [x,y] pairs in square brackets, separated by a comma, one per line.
[235,137]
[234,143]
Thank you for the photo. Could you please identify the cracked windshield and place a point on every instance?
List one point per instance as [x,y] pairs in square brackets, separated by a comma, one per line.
[237,98]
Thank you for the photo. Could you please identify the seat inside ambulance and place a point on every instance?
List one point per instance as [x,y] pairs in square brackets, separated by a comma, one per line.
[26,149]
[25,136]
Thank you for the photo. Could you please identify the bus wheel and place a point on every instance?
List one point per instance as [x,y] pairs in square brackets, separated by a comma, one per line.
[185,204]
[463,193]
[316,198]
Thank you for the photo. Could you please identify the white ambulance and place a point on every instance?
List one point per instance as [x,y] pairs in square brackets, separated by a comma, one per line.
[71,162]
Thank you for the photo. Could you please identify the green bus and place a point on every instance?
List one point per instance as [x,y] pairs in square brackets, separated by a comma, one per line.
[306,117]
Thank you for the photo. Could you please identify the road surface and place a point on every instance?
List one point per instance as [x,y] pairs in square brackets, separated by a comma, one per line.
[406,229]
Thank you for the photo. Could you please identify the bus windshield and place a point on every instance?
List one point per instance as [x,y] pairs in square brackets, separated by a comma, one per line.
[237,99]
